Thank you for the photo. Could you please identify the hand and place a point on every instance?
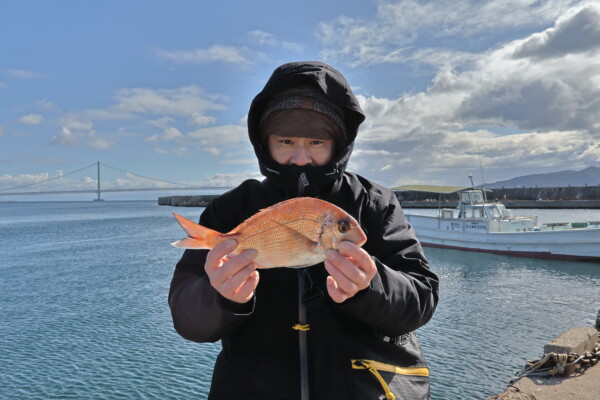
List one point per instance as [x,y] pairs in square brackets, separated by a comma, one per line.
[351,270]
[234,277]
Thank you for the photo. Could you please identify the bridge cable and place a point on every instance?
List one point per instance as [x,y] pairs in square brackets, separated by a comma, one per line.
[145,177]
[48,180]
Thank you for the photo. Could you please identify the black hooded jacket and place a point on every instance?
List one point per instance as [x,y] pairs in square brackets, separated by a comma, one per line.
[360,349]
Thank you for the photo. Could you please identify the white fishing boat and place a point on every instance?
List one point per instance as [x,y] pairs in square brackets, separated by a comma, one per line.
[479,225]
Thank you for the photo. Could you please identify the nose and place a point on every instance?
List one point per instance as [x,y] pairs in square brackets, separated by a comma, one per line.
[301,156]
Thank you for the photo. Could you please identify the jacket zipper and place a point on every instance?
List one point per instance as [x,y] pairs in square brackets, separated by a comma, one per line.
[302,183]
[302,329]
[374,367]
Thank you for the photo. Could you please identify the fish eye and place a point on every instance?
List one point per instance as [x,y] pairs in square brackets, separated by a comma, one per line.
[343,226]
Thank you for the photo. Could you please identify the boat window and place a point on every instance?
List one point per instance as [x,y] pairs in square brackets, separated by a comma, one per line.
[495,213]
[476,197]
[475,212]
[464,197]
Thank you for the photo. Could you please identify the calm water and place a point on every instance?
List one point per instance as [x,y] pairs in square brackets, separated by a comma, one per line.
[84,315]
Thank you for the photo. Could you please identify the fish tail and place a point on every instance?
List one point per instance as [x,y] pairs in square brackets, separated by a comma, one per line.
[200,237]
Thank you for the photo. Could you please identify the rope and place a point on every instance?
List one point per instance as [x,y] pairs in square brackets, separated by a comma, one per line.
[553,364]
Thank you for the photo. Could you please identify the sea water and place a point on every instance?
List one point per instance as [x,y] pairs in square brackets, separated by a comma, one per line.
[84,314]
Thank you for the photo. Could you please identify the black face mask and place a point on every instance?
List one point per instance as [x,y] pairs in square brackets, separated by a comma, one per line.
[305,180]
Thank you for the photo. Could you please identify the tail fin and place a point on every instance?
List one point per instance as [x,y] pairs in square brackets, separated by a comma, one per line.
[199,236]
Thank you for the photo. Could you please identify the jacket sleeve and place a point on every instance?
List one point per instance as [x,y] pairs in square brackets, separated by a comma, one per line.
[403,294]
[199,312]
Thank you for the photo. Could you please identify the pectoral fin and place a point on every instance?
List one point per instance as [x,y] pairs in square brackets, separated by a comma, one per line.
[299,237]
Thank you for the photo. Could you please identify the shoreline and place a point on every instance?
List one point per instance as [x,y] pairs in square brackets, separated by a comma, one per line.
[561,381]
[204,200]
[543,204]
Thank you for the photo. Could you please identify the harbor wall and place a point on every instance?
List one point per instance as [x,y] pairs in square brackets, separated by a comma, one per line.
[201,200]
[542,197]
[532,197]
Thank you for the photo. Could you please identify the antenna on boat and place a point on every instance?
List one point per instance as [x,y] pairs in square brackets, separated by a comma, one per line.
[481,168]
[471,178]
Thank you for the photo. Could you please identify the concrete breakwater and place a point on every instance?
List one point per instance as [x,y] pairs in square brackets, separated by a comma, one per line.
[568,370]
[533,197]
[542,197]
[187,201]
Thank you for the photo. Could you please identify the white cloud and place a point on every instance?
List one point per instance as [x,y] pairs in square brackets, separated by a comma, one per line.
[179,151]
[216,53]
[389,36]
[167,135]
[46,104]
[90,139]
[199,119]
[513,112]
[214,139]
[76,121]
[578,31]
[94,141]
[31,119]
[163,122]
[262,38]
[23,74]
[230,180]
[67,137]
[186,101]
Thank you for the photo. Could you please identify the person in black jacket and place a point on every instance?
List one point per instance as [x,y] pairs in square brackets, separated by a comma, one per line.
[342,329]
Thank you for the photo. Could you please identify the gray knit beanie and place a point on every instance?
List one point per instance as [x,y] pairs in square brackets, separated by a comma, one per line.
[303,111]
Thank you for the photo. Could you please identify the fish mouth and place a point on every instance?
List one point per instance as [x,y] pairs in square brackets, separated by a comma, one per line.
[362,241]
[358,237]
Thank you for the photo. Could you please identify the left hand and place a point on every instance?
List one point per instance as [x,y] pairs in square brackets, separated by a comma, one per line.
[351,270]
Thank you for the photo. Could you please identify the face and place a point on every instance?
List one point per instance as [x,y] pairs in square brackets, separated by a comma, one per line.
[300,151]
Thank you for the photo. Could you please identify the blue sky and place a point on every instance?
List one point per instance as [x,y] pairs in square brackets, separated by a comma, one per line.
[162,89]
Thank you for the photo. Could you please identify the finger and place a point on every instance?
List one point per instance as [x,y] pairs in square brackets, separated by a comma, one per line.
[334,292]
[214,257]
[246,290]
[231,285]
[347,267]
[231,267]
[343,283]
[361,259]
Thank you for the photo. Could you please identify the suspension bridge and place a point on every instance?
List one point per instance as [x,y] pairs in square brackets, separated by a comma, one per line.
[159,185]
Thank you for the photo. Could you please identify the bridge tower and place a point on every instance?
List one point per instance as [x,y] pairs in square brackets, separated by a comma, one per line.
[99,190]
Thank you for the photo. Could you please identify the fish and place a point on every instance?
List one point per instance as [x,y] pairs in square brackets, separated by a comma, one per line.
[293,233]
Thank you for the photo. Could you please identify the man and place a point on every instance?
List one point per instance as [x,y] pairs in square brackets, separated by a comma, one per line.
[343,329]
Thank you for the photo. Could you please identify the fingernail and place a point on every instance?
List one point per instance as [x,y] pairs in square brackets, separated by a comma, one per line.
[231,244]
[252,253]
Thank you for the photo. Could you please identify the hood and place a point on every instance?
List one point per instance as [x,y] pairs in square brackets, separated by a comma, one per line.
[306,180]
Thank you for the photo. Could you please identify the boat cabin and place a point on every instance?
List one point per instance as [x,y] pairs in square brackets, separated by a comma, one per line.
[472,204]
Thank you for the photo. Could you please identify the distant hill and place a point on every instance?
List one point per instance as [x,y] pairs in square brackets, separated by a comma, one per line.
[586,177]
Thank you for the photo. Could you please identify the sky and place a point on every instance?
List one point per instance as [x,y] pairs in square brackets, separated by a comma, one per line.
[497,89]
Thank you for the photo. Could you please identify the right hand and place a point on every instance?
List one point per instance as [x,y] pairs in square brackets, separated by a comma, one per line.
[234,277]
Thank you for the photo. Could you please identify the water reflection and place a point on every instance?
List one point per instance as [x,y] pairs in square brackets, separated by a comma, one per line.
[496,311]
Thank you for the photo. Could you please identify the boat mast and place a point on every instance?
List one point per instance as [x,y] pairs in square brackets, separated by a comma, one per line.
[482,179]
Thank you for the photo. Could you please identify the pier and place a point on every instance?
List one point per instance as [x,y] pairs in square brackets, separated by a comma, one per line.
[187,201]
[571,197]
[545,198]
[578,381]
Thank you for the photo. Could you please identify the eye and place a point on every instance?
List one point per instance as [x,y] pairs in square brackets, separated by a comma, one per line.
[343,226]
